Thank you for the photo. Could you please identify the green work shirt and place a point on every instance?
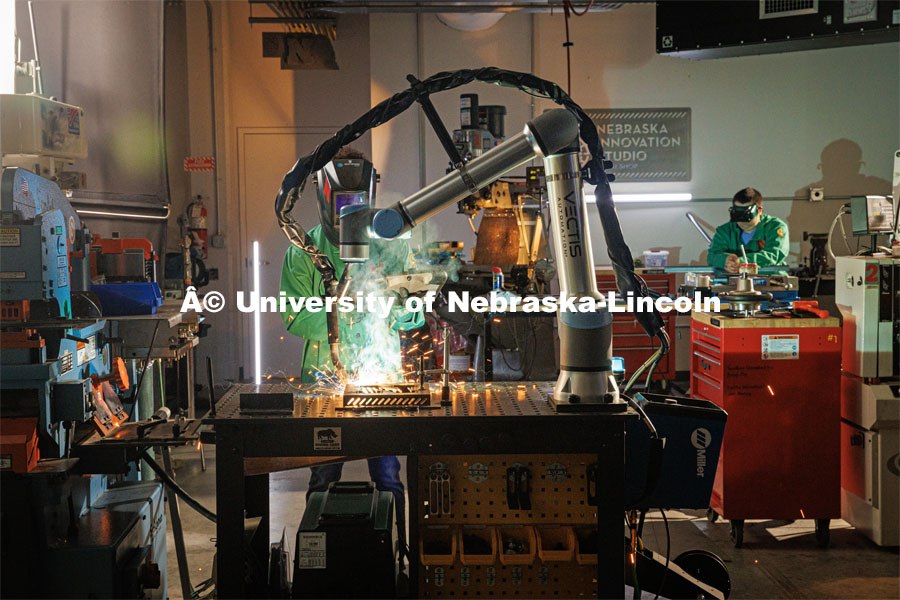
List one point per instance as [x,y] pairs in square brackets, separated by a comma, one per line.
[768,247]
[365,340]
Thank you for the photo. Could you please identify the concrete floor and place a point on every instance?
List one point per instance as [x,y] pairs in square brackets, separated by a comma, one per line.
[779,559]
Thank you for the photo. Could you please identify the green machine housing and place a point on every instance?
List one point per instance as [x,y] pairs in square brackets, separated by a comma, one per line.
[347,544]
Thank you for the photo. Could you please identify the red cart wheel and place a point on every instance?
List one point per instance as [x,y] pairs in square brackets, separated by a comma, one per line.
[737,532]
[823,532]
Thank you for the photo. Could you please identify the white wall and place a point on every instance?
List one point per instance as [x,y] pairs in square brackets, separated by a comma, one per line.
[760,121]
[780,123]
[253,93]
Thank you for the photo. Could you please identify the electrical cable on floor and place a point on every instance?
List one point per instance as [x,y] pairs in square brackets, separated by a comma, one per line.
[662,582]
[177,489]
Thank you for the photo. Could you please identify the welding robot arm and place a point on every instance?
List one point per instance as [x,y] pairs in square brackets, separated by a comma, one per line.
[620,255]
[585,338]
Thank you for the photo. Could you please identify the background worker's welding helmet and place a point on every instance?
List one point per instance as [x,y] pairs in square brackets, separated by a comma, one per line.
[343,182]
[743,214]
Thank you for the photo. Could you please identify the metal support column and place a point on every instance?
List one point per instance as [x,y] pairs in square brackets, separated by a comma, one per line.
[230,513]
[610,508]
[175,516]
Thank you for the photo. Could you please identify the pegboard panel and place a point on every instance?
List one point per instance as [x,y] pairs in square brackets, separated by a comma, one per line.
[537,580]
[472,489]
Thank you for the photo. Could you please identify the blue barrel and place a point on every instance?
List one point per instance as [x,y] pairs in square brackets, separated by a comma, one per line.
[693,431]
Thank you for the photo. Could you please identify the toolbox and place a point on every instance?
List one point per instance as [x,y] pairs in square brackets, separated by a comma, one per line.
[346,545]
[693,430]
[18,444]
[779,381]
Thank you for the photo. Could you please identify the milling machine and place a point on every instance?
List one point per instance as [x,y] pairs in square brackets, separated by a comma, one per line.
[63,382]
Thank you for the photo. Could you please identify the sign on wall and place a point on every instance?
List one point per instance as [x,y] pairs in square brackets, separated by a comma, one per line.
[646,144]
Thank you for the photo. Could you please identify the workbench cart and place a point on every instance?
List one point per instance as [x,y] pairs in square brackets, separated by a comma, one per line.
[278,425]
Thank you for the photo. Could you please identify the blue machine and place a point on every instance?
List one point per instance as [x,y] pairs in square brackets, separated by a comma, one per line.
[95,535]
[693,431]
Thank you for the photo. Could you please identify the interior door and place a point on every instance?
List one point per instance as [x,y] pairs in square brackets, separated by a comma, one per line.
[264,155]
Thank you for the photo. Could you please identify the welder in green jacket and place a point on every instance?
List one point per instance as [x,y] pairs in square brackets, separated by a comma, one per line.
[370,345]
[369,341]
[764,237]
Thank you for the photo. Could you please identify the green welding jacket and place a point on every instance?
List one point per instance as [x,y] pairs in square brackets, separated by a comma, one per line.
[365,339]
[769,246]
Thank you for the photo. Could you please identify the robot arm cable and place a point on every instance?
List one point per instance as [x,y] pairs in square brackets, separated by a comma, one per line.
[594,172]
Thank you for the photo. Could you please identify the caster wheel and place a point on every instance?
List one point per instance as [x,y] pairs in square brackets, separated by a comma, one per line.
[823,533]
[737,532]
[711,515]
[707,567]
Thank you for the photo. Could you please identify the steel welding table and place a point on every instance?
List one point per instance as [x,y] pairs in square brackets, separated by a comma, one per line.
[499,418]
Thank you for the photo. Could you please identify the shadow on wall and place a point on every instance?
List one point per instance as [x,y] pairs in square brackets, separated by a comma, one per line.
[841,165]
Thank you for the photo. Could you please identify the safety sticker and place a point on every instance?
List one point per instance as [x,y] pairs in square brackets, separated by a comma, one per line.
[326,438]
[311,550]
[780,347]
[88,351]
[10,237]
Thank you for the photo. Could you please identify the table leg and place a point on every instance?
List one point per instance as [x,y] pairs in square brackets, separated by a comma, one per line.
[610,508]
[184,574]
[230,512]
[412,488]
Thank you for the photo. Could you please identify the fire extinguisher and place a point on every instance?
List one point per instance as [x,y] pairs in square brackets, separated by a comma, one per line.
[196,214]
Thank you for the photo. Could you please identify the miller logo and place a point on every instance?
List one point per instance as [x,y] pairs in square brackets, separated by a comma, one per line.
[701,438]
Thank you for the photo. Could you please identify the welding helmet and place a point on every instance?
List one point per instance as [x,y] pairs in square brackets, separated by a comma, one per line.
[343,182]
[743,214]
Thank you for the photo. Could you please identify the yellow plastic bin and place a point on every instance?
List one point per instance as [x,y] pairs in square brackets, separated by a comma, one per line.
[585,537]
[432,539]
[556,544]
[519,536]
[488,535]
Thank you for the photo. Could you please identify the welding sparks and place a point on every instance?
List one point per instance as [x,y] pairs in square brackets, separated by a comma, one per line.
[771,391]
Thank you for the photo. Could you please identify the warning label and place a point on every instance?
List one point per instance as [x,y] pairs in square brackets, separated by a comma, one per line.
[326,438]
[311,550]
[10,237]
[780,347]
[87,351]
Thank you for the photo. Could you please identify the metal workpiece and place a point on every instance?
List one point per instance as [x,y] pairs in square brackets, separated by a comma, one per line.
[548,133]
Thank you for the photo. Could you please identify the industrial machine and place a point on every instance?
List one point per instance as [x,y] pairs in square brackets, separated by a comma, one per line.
[868,296]
[348,529]
[62,383]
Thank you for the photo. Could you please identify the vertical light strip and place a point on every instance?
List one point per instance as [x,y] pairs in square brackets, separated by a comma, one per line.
[257,349]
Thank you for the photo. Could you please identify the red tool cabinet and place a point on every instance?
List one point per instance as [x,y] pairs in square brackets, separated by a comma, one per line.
[779,381]
[630,341]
